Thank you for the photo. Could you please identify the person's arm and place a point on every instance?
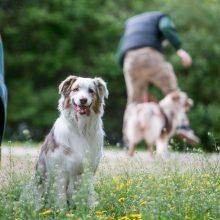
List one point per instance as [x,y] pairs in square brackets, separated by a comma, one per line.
[168,29]
[185,57]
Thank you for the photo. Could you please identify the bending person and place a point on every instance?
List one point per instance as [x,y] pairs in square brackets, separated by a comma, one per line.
[140,54]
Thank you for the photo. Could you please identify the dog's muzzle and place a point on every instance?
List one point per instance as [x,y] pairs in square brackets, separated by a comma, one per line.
[82,109]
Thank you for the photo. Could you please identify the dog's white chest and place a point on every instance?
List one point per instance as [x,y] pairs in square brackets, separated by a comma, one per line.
[78,147]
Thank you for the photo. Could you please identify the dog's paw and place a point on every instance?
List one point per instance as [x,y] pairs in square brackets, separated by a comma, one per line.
[163,155]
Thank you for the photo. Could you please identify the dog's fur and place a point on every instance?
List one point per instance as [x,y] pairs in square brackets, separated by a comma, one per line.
[75,140]
[156,122]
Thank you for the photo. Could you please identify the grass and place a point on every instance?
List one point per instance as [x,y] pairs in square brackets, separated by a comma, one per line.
[182,187]
[28,144]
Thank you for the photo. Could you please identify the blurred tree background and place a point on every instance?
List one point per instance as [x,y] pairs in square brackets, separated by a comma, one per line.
[46,40]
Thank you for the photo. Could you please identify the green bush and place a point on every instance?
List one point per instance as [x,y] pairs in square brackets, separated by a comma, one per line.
[47,40]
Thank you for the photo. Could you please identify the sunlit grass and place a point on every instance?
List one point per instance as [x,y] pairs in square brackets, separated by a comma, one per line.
[184,187]
[28,143]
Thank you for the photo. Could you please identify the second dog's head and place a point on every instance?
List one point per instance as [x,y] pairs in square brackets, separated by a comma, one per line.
[84,95]
[181,99]
[177,101]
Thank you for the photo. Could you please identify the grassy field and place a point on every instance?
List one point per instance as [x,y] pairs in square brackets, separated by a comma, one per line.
[185,186]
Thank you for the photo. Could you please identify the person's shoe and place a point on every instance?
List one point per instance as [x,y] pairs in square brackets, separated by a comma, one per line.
[187,134]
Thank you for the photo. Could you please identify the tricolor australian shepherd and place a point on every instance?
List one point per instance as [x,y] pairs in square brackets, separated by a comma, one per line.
[75,141]
[156,123]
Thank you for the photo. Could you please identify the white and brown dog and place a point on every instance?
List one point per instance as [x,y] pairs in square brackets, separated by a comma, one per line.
[156,123]
[75,140]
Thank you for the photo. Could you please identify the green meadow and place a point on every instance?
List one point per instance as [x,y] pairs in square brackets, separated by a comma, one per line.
[184,186]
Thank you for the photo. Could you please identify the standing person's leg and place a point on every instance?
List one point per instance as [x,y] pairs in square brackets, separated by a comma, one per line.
[135,73]
[163,77]
[135,83]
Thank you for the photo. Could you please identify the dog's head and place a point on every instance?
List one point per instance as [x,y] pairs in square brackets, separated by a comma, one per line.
[177,100]
[84,95]
[181,99]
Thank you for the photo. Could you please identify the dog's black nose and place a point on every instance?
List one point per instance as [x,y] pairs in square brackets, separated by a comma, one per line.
[83,101]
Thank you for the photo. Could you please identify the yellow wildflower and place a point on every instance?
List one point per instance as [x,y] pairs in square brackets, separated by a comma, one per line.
[116,179]
[135,216]
[69,214]
[122,199]
[100,212]
[129,182]
[120,186]
[124,218]
[46,212]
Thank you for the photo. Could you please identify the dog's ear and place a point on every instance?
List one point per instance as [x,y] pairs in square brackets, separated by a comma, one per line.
[188,103]
[64,87]
[101,87]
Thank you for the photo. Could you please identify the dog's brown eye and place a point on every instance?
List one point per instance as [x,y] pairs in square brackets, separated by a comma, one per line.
[76,89]
[91,91]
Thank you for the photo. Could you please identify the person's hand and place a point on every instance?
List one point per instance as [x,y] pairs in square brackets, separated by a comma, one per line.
[185,57]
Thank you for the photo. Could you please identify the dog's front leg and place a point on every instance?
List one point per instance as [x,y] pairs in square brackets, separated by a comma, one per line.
[60,191]
[151,149]
[131,149]
[71,187]
[84,192]
[92,199]
[162,147]
[41,183]
[40,191]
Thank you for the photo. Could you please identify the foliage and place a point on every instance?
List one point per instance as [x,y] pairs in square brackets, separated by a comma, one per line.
[47,40]
[188,188]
